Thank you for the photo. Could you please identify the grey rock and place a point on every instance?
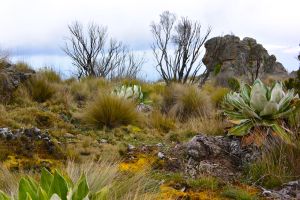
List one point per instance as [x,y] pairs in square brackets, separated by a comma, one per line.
[290,190]
[160,155]
[159,145]
[130,147]
[104,141]
[69,135]
[144,108]
[234,54]
[10,79]
[218,156]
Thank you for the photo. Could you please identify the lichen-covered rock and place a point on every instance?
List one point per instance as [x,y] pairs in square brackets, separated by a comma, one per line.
[290,190]
[28,142]
[235,54]
[218,156]
[10,78]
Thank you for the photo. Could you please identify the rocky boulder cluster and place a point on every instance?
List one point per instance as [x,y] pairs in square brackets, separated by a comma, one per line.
[28,142]
[10,78]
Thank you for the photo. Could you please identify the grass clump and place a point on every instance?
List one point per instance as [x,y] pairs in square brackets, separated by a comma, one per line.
[186,101]
[237,194]
[40,89]
[161,122]
[277,166]
[110,111]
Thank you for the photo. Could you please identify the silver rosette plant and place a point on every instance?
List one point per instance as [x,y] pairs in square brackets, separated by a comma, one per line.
[260,106]
[133,92]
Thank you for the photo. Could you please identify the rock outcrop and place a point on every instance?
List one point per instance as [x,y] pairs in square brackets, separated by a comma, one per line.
[218,156]
[10,78]
[28,142]
[234,55]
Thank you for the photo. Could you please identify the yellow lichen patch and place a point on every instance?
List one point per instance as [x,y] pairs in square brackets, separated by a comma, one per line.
[168,192]
[17,163]
[141,163]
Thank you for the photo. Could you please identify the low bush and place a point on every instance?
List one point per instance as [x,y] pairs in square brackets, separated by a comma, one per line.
[110,111]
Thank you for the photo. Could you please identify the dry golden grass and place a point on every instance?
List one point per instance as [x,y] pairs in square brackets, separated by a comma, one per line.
[110,111]
[186,101]
[278,165]
[40,89]
[207,125]
[161,122]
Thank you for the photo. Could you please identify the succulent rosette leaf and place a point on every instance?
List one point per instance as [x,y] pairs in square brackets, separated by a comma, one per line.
[259,105]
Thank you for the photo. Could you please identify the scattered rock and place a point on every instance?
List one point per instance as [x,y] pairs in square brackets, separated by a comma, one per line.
[144,108]
[131,147]
[290,190]
[159,145]
[160,155]
[69,135]
[27,142]
[103,141]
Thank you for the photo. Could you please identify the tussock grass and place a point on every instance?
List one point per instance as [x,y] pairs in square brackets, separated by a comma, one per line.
[278,165]
[110,111]
[161,122]
[213,125]
[40,89]
[86,88]
[216,93]
[186,101]
[23,67]
[50,75]
[237,194]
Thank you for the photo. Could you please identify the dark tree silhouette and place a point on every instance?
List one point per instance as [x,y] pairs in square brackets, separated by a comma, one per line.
[177,48]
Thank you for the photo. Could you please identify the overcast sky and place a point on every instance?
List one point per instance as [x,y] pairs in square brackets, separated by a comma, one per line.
[34,30]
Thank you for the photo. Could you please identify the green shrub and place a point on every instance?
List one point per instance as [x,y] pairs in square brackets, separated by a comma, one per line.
[110,111]
[260,106]
[40,89]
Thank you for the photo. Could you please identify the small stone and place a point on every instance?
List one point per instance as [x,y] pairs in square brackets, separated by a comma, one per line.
[160,155]
[69,135]
[104,141]
[131,147]
[159,145]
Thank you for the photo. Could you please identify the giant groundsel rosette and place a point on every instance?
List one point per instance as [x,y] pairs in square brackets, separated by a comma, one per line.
[259,105]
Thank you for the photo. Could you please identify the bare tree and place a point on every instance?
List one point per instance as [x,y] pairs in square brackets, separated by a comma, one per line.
[93,57]
[177,48]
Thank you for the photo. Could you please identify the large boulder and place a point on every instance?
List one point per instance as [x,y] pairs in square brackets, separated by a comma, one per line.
[11,76]
[218,156]
[235,54]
